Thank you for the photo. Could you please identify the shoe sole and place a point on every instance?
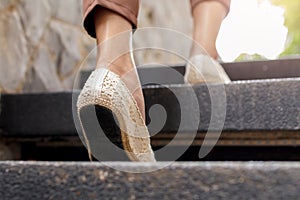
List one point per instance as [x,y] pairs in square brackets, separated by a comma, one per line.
[94,139]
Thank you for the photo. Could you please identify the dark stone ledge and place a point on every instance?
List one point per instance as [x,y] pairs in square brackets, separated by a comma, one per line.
[251,106]
[247,70]
[205,180]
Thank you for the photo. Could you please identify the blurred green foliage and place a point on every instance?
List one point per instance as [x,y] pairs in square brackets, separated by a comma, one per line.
[245,57]
[292,22]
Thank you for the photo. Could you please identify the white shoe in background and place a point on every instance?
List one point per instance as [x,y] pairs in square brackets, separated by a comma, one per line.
[203,68]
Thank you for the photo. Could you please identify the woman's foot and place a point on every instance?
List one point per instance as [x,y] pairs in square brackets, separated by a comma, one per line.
[114,38]
[204,69]
[113,90]
[127,71]
[106,101]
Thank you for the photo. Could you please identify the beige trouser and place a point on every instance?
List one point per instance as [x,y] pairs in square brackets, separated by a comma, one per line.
[127,8]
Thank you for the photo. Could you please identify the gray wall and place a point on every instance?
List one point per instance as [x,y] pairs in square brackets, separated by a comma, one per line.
[42,43]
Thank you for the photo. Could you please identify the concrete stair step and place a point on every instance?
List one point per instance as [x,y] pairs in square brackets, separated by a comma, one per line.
[259,112]
[183,180]
[247,70]
[265,105]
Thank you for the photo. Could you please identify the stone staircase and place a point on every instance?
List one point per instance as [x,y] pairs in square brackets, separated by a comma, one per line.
[191,180]
[262,123]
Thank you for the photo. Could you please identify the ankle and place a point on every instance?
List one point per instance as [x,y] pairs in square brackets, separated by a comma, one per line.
[120,66]
[212,52]
[205,50]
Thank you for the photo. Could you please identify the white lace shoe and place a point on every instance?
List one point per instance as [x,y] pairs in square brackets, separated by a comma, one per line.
[203,68]
[105,92]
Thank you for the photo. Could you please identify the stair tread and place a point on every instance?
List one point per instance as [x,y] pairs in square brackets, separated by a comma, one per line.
[246,70]
[263,105]
[184,180]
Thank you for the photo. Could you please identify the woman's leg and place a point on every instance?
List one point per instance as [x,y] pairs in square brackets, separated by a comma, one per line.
[207,17]
[114,38]
[111,23]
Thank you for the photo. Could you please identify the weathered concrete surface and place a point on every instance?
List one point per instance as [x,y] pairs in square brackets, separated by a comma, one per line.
[251,105]
[206,180]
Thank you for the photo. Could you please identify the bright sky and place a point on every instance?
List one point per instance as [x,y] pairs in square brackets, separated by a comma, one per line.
[252,27]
